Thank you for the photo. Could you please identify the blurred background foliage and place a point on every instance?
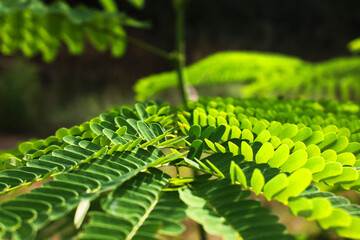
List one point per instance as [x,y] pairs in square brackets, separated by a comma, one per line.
[20,89]
[71,89]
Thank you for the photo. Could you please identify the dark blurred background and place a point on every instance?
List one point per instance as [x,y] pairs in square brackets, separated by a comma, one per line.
[36,98]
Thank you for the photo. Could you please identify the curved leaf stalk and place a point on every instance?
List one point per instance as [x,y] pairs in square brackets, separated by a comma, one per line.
[142,219]
[136,42]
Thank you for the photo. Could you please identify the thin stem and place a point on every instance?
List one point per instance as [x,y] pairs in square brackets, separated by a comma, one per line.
[177,171]
[178,58]
[138,43]
[150,48]
[179,6]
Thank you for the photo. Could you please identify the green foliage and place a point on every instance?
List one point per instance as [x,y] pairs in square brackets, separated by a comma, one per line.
[108,174]
[137,3]
[112,177]
[264,74]
[214,208]
[354,45]
[34,27]
[108,5]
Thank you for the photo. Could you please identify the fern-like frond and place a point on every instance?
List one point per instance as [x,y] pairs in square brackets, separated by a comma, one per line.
[333,79]
[327,153]
[291,189]
[127,210]
[86,160]
[344,217]
[226,210]
[170,212]
[223,67]
[34,27]
[57,197]
[264,74]
[279,161]
[116,125]
[279,149]
[322,117]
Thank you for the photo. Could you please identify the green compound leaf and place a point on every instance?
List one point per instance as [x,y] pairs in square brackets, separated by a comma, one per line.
[217,215]
[268,146]
[199,212]
[43,27]
[321,79]
[57,197]
[129,219]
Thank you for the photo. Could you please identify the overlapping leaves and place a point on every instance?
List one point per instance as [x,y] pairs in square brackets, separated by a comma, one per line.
[59,196]
[226,210]
[106,166]
[107,152]
[134,211]
[277,160]
[34,27]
